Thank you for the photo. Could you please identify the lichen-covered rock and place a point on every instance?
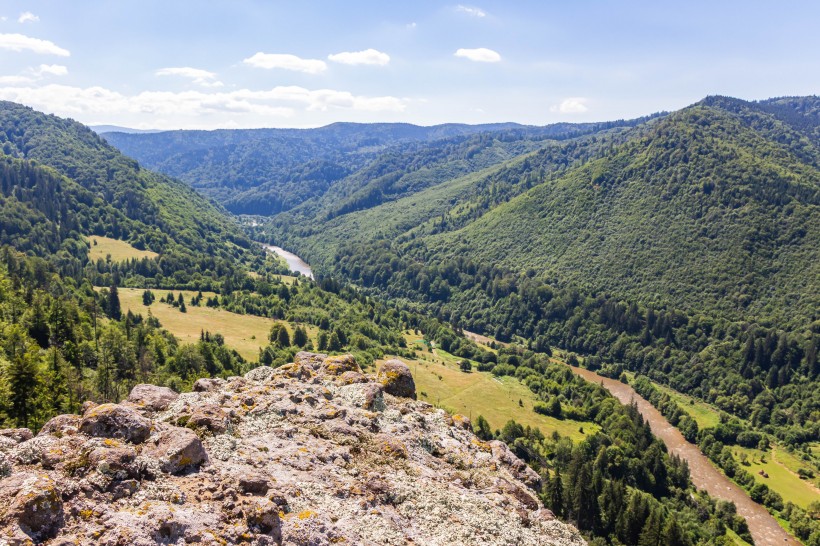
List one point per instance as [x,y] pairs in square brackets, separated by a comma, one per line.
[61,425]
[115,421]
[337,365]
[312,455]
[30,507]
[151,397]
[395,377]
[263,517]
[208,384]
[210,418]
[262,373]
[17,435]
[177,449]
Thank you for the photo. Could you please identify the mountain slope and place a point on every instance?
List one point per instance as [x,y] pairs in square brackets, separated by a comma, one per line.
[267,171]
[710,210]
[59,172]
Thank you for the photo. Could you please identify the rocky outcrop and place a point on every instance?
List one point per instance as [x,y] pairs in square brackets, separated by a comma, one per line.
[313,452]
[395,377]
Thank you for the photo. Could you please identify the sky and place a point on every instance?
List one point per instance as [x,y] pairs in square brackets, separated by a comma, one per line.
[206,64]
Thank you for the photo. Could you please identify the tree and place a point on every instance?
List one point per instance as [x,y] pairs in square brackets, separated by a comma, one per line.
[652,532]
[333,343]
[113,308]
[300,336]
[673,535]
[465,366]
[147,298]
[279,335]
[20,375]
[555,494]
[482,428]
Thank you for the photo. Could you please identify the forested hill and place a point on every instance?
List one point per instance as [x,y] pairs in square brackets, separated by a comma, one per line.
[61,182]
[711,209]
[685,248]
[267,171]
[717,207]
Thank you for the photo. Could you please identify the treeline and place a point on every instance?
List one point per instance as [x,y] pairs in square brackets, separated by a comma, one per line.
[756,372]
[62,344]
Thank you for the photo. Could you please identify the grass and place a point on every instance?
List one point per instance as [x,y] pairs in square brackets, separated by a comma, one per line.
[704,415]
[440,381]
[120,251]
[244,333]
[782,478]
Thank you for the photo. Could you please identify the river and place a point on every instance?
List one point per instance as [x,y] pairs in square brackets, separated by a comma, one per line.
[763,527]
[295,263]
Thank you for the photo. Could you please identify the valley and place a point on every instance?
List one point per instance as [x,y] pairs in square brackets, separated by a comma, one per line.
[675,251]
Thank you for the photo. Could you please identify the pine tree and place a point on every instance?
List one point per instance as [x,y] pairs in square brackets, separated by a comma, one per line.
[21,376]
[114,310]
[333,343]
[652,532]
[673,535]
[300,336]
[555,494]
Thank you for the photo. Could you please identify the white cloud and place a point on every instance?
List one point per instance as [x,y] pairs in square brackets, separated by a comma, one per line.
[472,11]
[276,102]
[15,80]
[411,26]
[50,70]
[571,105]
[368,56]
[481,55]
[198,76]
[19,42]
[27,17]
[286,62]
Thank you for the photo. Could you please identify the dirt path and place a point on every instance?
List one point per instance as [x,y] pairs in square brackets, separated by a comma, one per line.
[763,527]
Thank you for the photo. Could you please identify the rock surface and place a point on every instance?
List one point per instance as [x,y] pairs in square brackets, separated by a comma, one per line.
[395,377]
[313,452]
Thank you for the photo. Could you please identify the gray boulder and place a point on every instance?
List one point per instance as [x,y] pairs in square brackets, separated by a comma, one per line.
[395,377]
[116,421]
[152,397]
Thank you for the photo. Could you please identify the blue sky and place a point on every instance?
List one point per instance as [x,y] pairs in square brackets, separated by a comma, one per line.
[213,64]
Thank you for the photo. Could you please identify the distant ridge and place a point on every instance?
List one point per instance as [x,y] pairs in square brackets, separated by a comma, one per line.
[100,129]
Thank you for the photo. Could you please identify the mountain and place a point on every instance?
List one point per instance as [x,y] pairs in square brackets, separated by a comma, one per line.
[714,207]
[267,171]
[685,248]
[101,129]
[61,182]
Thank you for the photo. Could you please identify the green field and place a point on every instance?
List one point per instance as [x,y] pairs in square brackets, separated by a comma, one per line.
[245,333]
[118,250]
[704,415]
[781,477]
[440,382]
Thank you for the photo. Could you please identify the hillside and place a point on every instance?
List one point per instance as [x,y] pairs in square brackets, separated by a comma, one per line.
[710,210]
[61,182]
[267,171]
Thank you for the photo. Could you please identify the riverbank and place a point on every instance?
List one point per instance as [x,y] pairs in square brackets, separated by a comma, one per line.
[762,525]
[295,263]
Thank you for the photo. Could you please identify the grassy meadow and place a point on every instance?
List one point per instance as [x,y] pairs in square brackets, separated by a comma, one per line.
[120,251]
[439,381]
[244,333]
